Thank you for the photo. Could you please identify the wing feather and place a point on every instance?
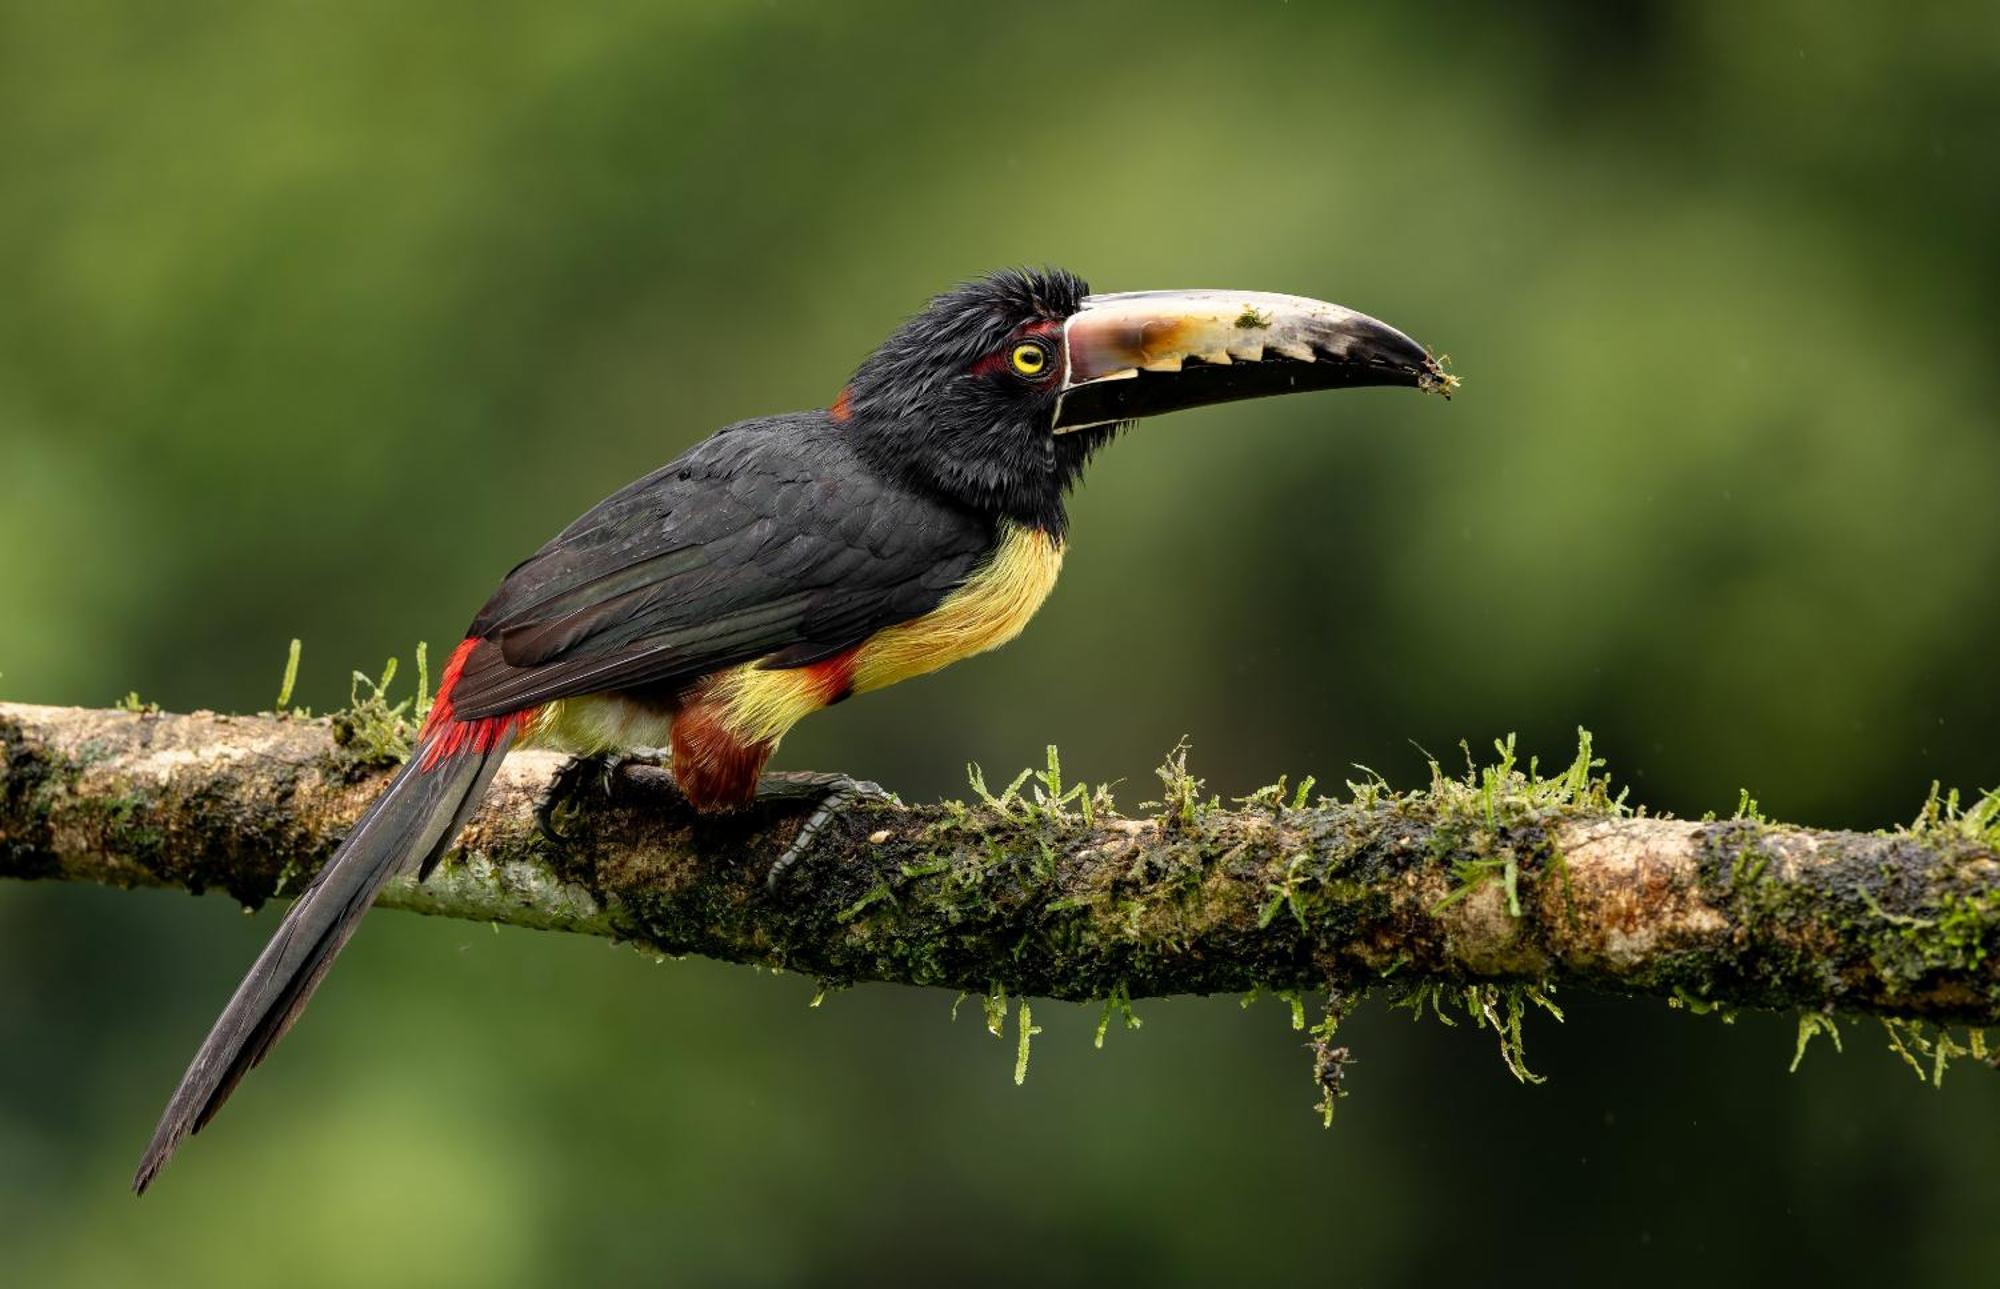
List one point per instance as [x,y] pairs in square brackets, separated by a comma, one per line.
[769,541]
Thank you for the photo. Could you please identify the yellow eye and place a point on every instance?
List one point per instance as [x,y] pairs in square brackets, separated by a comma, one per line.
[1030,359]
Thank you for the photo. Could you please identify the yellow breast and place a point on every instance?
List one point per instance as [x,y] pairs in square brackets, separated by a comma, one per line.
[985,612]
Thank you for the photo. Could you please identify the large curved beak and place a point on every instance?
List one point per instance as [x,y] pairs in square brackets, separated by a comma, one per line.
[1142,353]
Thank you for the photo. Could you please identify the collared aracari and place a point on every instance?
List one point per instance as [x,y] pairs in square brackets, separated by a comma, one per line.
[789,561]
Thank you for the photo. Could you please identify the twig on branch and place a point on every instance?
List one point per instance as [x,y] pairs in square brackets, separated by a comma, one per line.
[1482,890]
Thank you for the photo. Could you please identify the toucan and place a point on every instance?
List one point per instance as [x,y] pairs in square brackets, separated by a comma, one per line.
[787,562]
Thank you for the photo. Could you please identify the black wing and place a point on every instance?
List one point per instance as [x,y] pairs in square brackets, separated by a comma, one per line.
[769,540]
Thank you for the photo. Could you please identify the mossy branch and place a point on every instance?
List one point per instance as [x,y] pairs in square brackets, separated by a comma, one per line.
[1480,889]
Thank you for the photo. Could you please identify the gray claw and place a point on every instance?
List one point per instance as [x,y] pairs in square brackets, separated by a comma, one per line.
[836,792]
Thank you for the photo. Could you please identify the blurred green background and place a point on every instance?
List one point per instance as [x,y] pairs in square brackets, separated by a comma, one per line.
[317,316]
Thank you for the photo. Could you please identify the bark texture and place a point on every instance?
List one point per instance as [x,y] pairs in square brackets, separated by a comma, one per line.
[1500,877]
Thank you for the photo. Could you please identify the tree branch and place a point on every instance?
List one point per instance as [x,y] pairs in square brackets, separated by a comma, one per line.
[1499,877]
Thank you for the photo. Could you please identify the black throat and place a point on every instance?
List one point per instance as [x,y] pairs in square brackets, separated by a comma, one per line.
[1018,477]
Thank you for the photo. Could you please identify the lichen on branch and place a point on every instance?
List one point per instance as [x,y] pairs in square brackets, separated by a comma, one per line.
[1471,898]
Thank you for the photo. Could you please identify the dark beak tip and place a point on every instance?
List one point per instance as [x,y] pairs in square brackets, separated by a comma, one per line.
[1418,367]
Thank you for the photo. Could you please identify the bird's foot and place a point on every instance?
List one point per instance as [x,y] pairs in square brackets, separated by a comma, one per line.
[579,774]
[835,792]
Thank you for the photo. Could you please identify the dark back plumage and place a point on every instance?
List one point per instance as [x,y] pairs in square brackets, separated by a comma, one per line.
[770,537]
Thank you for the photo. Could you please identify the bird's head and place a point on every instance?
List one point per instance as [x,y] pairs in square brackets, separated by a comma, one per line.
[999,391]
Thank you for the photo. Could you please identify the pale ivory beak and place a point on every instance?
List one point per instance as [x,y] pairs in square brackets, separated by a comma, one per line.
[1142,353]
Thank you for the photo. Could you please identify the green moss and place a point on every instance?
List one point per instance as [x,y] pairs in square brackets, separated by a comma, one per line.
[126,822]
[1811,1025]
[1929,1051]
[374,730]
[1500,1007]
[1504,793]
[994,1005]
[1918,929]
[1007,805]
[1213,901]
[1118,1003]
[1330,1060]
[1029,1029]
[1943,818]
[876,893]
[291,678]
[1286,895]
[1250,319]
[1685,1000]
[1427,993]
[1181,805]
[1944,920]
[1499,801]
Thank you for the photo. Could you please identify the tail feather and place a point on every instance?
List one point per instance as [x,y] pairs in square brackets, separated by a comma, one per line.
[414,821]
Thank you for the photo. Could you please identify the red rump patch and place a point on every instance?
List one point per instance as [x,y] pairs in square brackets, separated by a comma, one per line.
[444,735]
[843,406]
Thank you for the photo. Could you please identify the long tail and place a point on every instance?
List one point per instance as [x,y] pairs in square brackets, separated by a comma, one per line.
[413,822]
